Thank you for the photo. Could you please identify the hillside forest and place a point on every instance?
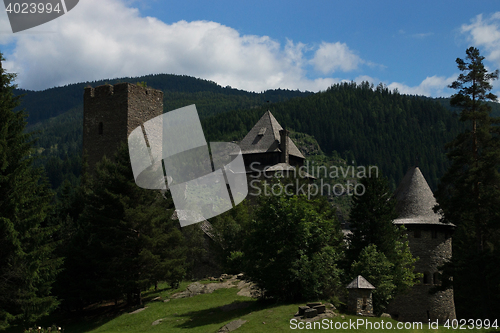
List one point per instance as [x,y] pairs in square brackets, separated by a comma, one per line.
[94,238]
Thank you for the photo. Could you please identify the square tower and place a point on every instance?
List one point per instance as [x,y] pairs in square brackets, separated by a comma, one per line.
[111,113]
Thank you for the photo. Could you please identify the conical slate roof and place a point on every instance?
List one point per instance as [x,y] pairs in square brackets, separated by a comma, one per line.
[360,282]
[415,200]
[265,137]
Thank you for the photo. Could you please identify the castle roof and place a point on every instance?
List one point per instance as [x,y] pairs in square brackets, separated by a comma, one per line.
[264,137]
[415,200]
[360,282]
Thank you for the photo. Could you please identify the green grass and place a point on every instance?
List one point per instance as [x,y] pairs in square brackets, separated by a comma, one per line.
[202,314]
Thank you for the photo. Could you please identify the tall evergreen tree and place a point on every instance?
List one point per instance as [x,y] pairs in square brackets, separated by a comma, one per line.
[27,264]
[371,218]
[124,239]
[469,192]
[378,249]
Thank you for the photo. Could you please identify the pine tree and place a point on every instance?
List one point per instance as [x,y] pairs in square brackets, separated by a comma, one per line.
[371,218]
[126,236]
[469,192]
[27,264]
[375,236]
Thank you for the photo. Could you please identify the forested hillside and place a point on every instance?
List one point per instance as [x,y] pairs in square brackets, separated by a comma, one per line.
[178,91]
[361,123]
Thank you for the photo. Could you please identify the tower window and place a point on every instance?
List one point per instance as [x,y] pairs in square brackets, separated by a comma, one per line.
[427,278]
[434,234]
[417,233]
[100,128]
[365,303]
[437,278]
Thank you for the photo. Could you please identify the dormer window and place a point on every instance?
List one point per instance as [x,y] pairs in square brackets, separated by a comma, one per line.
[262,131]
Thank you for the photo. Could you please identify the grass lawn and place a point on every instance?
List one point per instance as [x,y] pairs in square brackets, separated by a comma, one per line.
[203,314]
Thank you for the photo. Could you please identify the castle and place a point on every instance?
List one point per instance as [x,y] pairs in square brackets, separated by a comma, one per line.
[112,112]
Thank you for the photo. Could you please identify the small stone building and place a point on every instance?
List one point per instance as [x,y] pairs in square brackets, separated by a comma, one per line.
[360,297]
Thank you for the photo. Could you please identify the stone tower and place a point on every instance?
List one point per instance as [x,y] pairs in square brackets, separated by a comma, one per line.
[111,112]
[430,240]
[360,297]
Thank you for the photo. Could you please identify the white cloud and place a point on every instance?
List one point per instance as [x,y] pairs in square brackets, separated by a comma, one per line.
[433,86]
[331,57]
[102,39]
[485,33]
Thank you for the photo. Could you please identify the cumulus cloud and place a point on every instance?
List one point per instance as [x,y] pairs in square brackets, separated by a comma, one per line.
[434,86]
[485,32]
[115,41]
[332,57]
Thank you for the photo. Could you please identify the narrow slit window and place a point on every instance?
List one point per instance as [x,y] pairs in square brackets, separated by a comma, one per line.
[427,278]
[100,128]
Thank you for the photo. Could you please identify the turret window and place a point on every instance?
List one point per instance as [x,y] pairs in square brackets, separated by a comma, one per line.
[427,278]
[437,278]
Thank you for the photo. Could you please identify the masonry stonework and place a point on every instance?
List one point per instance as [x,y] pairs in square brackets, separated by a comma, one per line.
[111,113]
[360,302]
[433,248]
[430,241]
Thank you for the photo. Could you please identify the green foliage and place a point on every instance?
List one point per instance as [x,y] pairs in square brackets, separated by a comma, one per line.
[371,126]
[377,247]
[371,218]
[230,230]
[178,91]
[27,263]
[469,193]
[374,266]
[363,124]
[122,240]
[293,249]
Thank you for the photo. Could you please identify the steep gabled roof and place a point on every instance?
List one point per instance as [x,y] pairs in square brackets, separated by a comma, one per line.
[415,200]
[265,137]
[360,282]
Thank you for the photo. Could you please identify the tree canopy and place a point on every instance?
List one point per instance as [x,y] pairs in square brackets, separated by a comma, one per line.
[28,265]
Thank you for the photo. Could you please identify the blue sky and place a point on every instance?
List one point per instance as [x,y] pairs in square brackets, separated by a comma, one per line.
[259,45]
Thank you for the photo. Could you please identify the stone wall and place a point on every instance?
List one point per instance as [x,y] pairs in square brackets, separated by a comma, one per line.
[355,302]
[432,244]
[112,112]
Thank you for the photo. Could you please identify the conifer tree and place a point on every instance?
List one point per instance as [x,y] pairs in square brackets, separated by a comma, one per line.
[27,264]
[375,236]
[371,218]
[126,237]
[469,192]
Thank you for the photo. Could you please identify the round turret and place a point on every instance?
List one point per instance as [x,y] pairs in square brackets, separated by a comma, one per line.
[430,241]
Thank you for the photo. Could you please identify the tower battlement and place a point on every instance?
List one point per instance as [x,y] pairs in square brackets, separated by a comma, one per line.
[112,112]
